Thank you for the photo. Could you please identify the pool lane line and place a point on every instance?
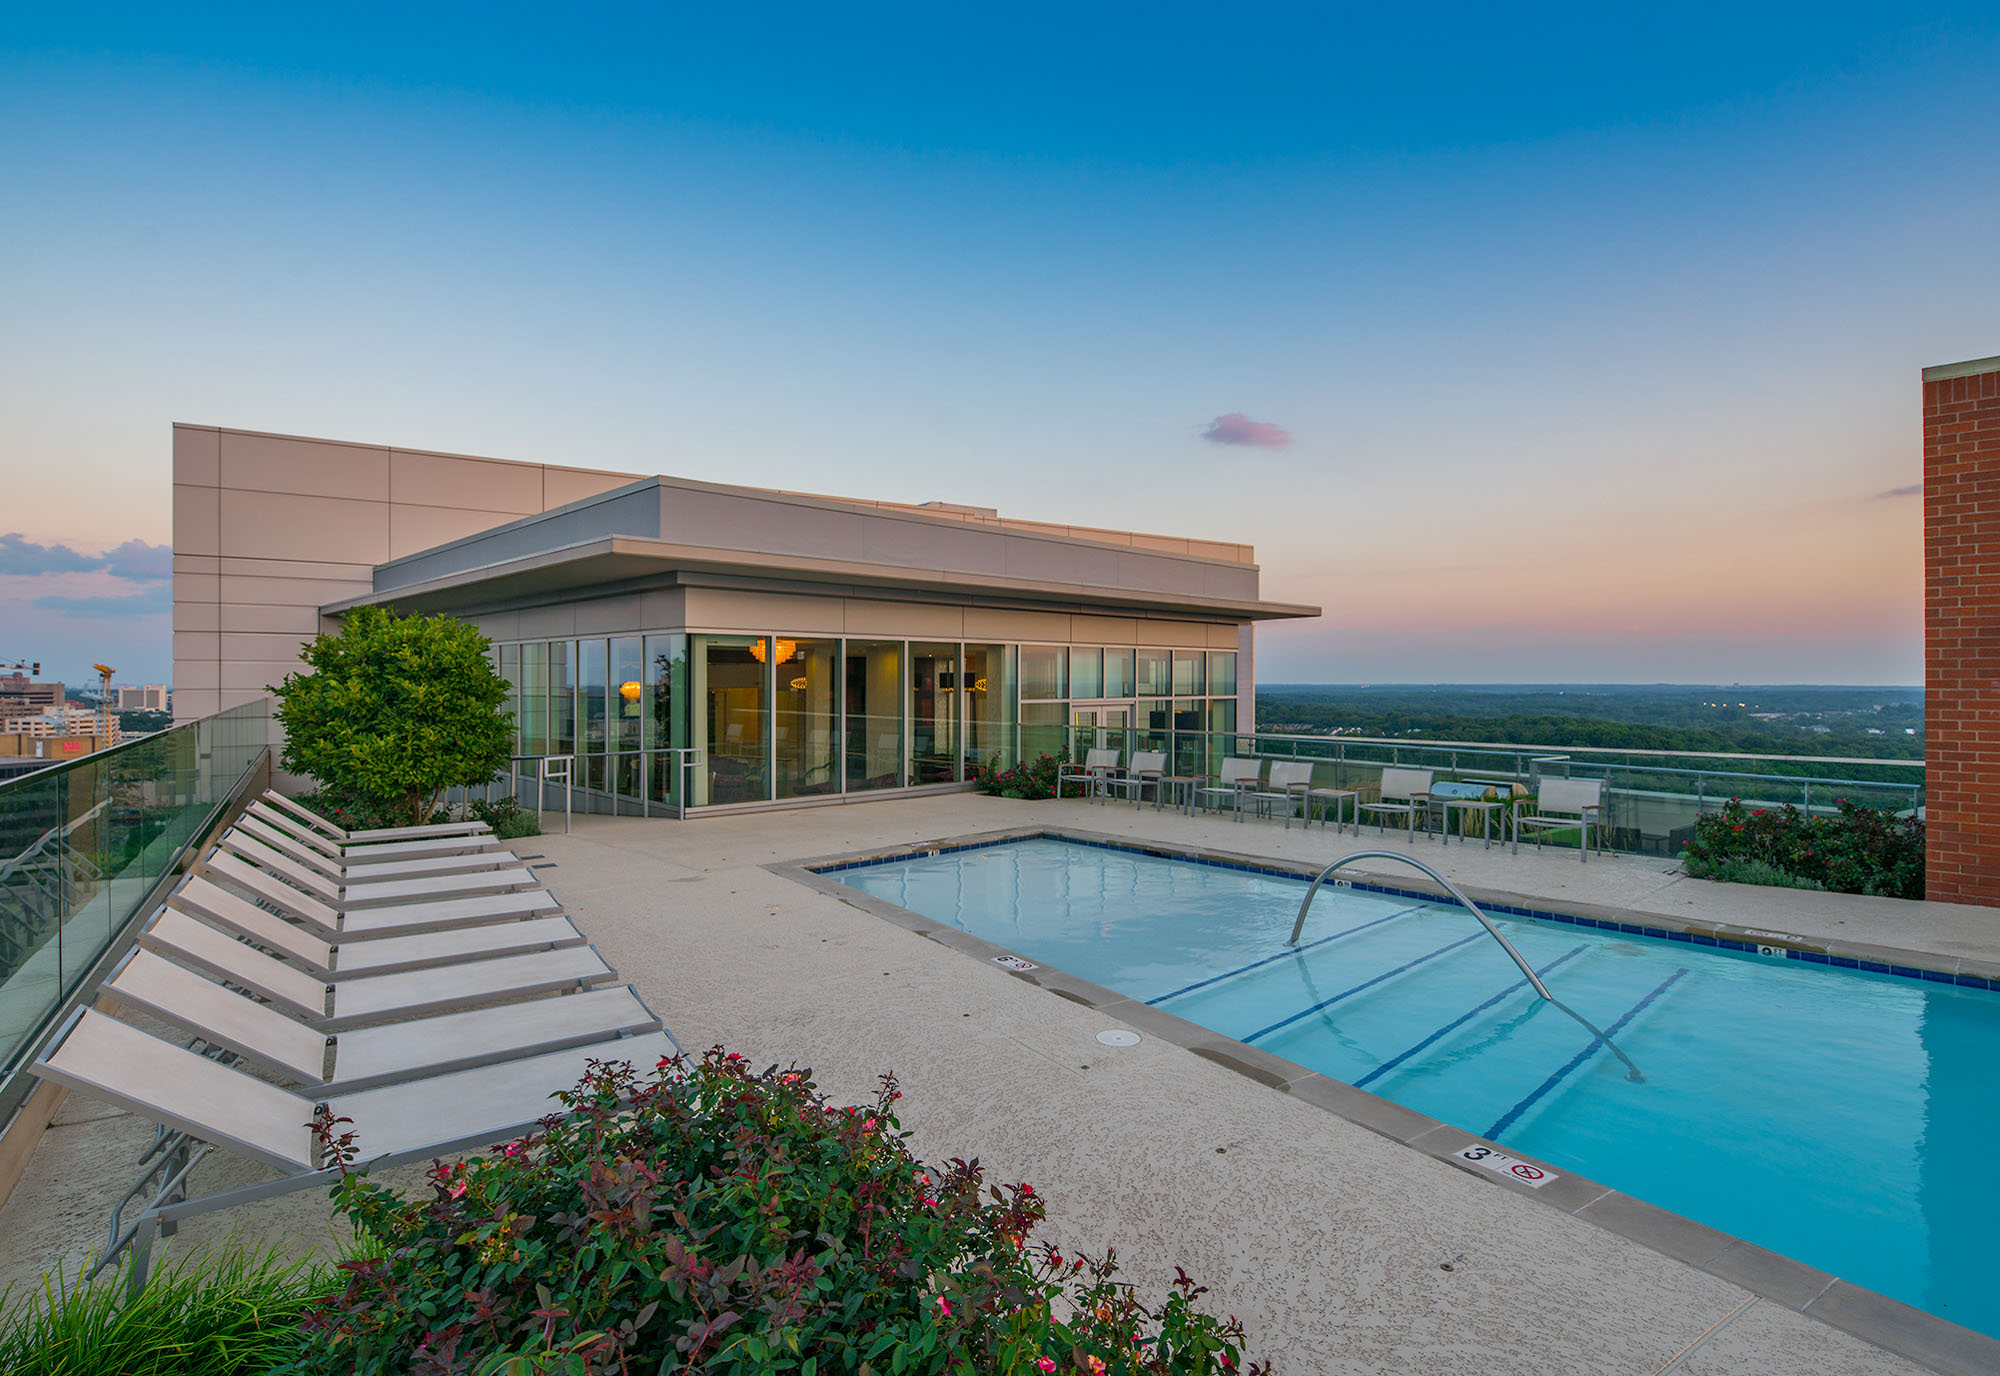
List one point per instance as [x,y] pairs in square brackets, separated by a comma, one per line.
[1288,951]
[1365,984]
[1492,1134]
[1460,1021]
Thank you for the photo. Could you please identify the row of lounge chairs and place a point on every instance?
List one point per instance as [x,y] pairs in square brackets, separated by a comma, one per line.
[418,981]
[1413,797]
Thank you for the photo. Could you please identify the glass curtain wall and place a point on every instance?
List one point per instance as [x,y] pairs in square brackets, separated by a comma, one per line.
[808,718]
[732,690]
[781,717]
[663,714]
[624,730]
[590,714]
[874,743]
[989,704]
[933,713]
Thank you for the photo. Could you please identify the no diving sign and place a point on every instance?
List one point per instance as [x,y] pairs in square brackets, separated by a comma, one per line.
[1512,1167]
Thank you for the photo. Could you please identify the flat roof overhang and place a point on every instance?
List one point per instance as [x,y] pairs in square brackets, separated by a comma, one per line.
[623,563]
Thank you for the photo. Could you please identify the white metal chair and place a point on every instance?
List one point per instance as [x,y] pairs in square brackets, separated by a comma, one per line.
[1563,805]
[1403,793]
[1235,778]
[1096,767]
[1144,773]
[1287,785]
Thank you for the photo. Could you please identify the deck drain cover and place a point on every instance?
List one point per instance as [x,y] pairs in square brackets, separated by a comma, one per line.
[1118,1036]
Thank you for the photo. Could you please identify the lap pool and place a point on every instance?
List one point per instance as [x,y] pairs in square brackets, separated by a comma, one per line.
[1842,1117]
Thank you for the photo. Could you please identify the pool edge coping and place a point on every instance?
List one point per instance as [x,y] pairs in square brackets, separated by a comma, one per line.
[1925,1338]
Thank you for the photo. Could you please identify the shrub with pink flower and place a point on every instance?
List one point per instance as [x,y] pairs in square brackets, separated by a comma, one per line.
[710,1218]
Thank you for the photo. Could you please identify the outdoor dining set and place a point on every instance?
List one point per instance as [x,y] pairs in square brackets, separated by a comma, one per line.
[1415,799]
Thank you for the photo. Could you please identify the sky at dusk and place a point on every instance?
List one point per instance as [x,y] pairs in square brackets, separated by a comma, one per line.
[1581,345]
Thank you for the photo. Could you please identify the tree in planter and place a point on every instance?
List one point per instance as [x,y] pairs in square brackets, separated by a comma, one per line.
[396,710]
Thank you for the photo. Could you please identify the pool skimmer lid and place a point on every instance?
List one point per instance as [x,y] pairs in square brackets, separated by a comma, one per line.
[1118,1036]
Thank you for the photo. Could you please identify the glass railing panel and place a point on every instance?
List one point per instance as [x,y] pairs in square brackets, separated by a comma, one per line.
[84,845]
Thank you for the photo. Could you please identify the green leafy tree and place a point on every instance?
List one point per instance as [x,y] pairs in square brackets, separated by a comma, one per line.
[395,710]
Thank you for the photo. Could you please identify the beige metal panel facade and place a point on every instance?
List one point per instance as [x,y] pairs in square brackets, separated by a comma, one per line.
[268,528]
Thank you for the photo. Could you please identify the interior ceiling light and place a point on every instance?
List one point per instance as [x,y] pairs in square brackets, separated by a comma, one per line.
[786,649]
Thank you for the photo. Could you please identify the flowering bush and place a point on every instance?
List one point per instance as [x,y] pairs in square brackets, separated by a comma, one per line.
[708,1218]
[1029,779]
[1862,850]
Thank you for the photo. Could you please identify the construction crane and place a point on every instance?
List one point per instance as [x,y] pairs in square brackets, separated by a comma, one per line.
[104,673]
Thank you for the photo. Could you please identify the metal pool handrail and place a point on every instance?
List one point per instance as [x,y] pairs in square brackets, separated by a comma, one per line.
[1632,1071]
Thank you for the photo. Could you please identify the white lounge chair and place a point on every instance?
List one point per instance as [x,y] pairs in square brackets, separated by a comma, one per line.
[370,1056]
[1236,777]
[1563,805]
[1285,787]
[360,1001]
[1404,793]
[372,893]
[371,851]
[403,919]
[321,824]
[362,868]
[197,1098]
[205,904]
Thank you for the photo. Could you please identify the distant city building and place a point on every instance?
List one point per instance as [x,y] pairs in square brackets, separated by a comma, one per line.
[150,698]
[57,721]
[19,695]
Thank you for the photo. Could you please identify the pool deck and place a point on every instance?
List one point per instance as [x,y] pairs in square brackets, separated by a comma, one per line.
[1341,1248]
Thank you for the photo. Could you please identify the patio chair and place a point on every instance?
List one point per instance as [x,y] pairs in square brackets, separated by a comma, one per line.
[200,1102]
[370,834]
[1237,776]
[1144,773]
[399,919]
[334,1006]
[1563,805]
[366,1057]
[1403,793]
[205,904]
[1097,766]
[1287,785]
[363,868]
[374,893]
[368,851]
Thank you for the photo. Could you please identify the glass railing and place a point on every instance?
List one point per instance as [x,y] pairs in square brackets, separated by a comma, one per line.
[85,846]
[1651,798]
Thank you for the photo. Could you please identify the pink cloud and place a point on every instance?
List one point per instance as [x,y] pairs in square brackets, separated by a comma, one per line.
[1237,428]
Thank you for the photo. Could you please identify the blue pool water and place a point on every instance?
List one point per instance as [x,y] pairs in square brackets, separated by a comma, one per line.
[1843,1118]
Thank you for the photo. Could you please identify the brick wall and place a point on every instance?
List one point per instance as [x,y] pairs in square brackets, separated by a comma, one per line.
[1962,631]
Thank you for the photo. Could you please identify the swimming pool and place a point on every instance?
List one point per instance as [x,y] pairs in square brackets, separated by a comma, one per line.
[1844,1118]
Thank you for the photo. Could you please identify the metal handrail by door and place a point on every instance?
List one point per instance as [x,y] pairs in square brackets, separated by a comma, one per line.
[1484,921]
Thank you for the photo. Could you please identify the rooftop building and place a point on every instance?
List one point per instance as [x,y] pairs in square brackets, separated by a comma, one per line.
[701,644]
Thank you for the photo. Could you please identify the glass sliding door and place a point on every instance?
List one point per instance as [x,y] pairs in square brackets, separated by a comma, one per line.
[591,714]
[562,697]
[531,732]
[874,738]
[933,713]
[808,718]
[732,688]
[625,734]
[989,704]
[663,711]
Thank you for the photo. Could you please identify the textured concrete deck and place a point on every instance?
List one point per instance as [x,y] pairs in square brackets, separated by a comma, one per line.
[1330,1241]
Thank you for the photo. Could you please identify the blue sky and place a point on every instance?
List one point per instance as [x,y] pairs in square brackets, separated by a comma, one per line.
[1593,337]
